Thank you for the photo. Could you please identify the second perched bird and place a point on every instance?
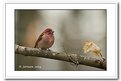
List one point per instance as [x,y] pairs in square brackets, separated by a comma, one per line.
[45,40]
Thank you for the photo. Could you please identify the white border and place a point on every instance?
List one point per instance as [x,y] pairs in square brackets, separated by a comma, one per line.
[111,72]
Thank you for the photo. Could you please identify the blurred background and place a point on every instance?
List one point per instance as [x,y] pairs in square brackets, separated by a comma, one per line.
[72,28]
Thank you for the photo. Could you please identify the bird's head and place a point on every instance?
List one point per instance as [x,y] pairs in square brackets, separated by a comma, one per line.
[49,31]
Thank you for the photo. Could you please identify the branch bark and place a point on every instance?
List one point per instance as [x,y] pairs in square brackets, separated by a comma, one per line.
[74,58]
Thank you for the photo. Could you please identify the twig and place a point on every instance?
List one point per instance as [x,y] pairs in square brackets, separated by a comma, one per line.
[27,51]
[75,61]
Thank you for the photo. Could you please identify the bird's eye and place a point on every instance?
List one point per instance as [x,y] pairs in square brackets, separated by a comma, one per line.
[49,30]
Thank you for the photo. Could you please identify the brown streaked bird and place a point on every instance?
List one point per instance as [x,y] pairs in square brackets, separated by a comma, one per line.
[45,40]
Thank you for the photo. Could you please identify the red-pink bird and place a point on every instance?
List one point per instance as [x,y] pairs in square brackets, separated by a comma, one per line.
[45,40]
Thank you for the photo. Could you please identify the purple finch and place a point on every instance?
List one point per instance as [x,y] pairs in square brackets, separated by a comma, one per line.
[45,40]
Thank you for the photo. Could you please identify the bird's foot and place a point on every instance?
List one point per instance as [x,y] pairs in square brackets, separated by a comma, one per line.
[49,49]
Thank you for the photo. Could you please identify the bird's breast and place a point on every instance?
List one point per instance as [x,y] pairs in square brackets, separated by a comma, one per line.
[48,39]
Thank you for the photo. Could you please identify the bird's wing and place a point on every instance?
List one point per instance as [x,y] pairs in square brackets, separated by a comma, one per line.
[40,38]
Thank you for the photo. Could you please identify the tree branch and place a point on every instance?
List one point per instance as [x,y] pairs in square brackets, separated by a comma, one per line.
[27,51]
